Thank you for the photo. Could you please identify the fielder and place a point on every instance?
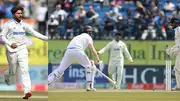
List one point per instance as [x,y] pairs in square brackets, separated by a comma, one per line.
[13,35]
[116,48]
[75,53]
[175,50]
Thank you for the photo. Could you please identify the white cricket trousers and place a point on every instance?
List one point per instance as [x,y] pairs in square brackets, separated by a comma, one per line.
[115,71]
[177,70]
[19,59]
[76,56]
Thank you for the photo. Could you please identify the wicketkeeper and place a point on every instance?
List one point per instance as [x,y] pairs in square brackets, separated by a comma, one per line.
[116,48]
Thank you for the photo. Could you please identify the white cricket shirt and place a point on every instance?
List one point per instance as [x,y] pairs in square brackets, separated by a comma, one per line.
[116,50]
[14,32]
[80,42]
[177,36]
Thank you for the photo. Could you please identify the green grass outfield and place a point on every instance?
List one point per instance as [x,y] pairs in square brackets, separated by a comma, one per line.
[17,96]
[112,95]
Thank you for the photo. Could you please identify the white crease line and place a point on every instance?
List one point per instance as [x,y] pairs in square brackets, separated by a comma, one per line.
[128,91]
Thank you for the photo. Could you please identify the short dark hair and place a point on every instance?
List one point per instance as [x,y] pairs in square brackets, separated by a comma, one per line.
[16,8]
[175,20]
[118,34]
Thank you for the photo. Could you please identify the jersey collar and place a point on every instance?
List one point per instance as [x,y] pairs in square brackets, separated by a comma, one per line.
[17,22]
[116,41]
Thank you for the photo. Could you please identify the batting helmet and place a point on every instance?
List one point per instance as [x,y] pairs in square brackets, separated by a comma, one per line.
[88,28]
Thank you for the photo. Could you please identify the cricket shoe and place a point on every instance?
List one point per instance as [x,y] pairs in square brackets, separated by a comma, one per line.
[117,87]
[175,89]
[53,77]
[7,79]
[27,95]
[91,89]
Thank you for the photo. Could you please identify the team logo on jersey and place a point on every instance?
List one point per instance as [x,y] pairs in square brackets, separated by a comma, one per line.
[116,49]
[18,33]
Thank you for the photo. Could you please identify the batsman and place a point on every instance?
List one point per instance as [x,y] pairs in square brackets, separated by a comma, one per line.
[175,50]
[75,54]
[116,48]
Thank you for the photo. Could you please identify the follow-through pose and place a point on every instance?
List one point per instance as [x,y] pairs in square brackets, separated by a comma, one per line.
[14,37]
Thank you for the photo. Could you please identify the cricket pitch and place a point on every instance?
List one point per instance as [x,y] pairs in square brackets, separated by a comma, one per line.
[112,95]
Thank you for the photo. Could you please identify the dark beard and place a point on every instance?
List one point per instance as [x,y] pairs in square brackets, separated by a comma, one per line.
[117,40]
[92,35]
[18,20]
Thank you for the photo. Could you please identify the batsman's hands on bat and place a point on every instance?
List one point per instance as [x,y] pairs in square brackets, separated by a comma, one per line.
[101,64]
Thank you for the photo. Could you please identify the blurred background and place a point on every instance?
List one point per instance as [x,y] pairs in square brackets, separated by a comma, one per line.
[137,19]
[145,29]
[36,14]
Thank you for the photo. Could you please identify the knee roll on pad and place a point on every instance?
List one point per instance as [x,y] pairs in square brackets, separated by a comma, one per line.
[88,70]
